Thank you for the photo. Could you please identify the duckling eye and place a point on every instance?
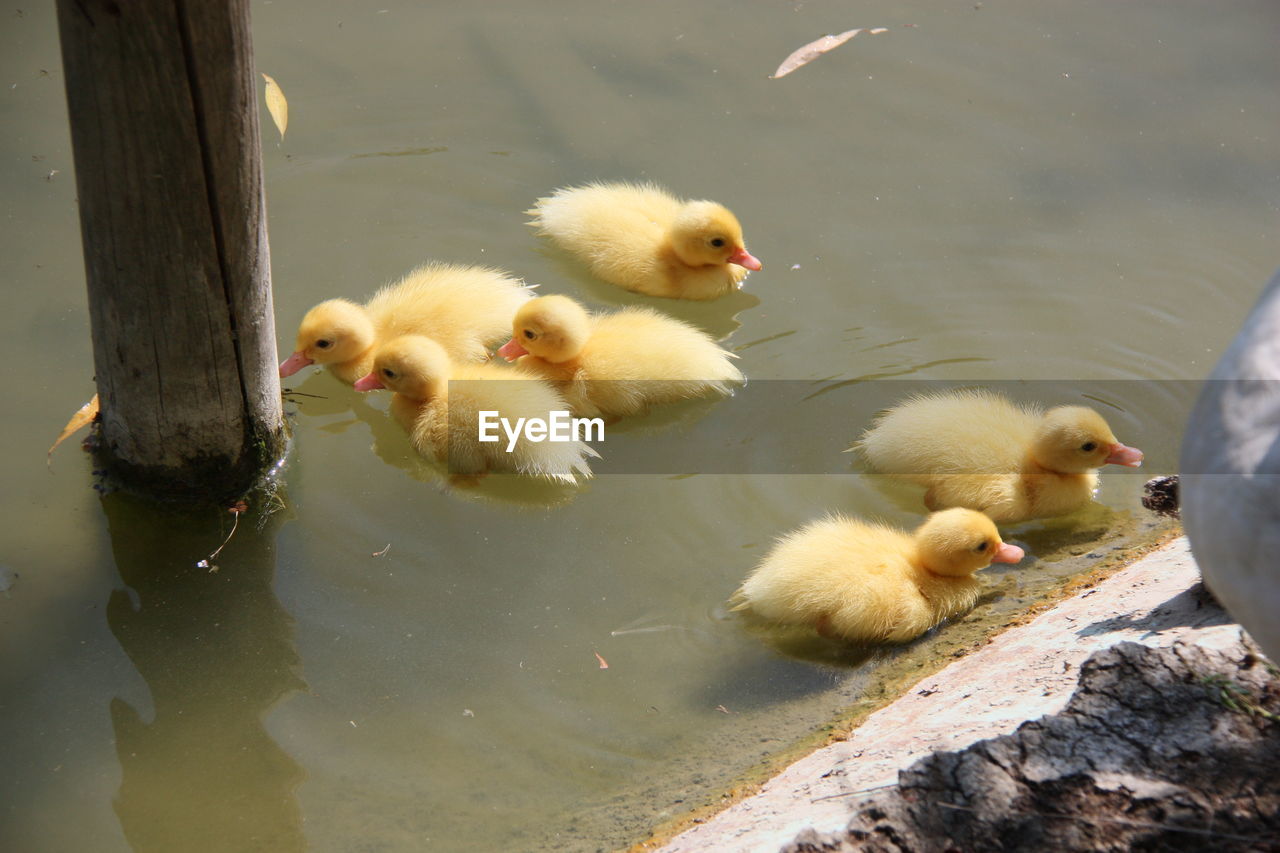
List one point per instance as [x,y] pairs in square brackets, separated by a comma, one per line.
[388,373]
[982,546]
[324,344]
[528,333]
[1089,446]
[717,242]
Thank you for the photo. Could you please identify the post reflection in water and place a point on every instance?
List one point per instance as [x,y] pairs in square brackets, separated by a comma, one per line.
[216,649]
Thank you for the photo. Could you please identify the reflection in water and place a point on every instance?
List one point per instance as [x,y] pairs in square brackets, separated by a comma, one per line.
[805,644]
[217,652]
[717,317]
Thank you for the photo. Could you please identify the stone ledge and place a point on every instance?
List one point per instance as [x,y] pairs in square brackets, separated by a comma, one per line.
[1023,674]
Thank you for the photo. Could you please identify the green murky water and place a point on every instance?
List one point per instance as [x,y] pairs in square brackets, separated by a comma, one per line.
[1079,192]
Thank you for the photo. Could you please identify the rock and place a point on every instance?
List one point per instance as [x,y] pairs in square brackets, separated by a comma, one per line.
[1158,749]
[1160,495]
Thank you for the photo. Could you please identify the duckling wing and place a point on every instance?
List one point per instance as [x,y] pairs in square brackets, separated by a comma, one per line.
[638,357]
[463,308]
[520,399]
[966,432]
[616,228]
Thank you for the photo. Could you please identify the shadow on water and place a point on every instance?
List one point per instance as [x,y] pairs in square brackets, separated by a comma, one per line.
[805,644]
[1084,532]
[216,650]
[759,681]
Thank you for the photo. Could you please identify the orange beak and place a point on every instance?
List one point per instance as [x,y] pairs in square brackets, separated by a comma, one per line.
[1007,553]
[1130,457]
[294,363]
[368,383]
[512,350]
[743,258]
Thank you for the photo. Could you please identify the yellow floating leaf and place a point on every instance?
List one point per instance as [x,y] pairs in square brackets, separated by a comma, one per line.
[814,49]
[277,105]
[81,418]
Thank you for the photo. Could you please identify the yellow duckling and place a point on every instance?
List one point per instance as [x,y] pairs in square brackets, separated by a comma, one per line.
[444,420]
[617,364]
[644,239]
[873,583]
[978,450]
[464,309]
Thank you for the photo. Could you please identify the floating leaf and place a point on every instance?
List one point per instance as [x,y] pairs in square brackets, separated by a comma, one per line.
[814,49]
[277,105]
[81,418]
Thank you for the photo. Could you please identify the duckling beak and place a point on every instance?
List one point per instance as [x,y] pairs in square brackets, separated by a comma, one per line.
[1007,553]
[743,258]
[1130,457]
[293,364]
[512,350]
[368,383]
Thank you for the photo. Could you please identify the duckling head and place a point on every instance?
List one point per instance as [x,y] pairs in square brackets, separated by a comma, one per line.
[553,328]
[705,233]
[332,332]
[958,542]
[411,365]
[1076,439]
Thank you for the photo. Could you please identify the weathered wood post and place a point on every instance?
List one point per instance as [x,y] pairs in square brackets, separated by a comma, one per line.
[161,96]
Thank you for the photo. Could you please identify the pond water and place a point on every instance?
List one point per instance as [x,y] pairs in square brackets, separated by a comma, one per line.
[1075,201]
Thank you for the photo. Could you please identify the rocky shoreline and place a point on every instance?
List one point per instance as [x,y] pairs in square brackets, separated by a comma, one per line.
[1158,749]
[1028,673]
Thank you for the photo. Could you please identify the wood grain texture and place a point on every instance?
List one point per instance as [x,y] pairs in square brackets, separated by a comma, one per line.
[164,126]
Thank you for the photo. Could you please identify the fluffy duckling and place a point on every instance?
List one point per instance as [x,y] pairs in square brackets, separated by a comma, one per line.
[644,239]
[617,364]
[464,309]
[443,421]
[873,583]
[978,450]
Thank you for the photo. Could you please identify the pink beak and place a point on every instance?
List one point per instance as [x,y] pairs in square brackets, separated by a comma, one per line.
[293,364]
[1130,457]
[1007,553]
[512,350]
[743,258]
[368,383]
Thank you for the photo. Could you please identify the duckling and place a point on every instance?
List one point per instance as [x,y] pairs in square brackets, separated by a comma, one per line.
[874,583]
[644,239]
[443,420]
[978,450]
[463,308]
[617,364]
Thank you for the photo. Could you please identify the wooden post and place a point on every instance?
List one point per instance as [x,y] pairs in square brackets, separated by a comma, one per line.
[164,125]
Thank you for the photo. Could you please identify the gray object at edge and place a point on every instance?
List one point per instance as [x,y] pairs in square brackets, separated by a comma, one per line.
[1231,475]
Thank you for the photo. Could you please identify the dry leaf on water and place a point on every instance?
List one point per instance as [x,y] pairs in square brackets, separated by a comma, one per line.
[814,49]
[81,418]
[277,105]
